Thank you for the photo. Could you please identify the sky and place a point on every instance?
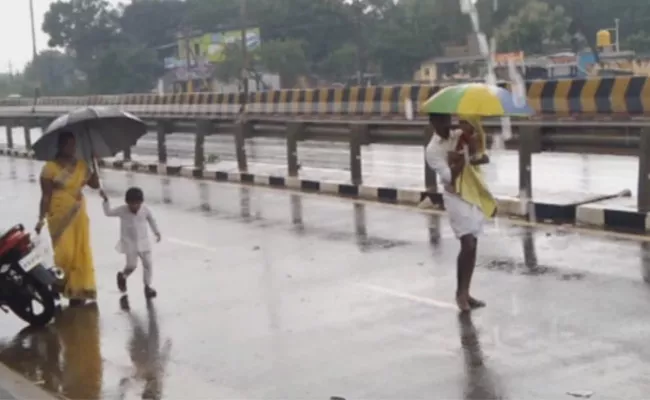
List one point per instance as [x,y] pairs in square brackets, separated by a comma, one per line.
[16,34]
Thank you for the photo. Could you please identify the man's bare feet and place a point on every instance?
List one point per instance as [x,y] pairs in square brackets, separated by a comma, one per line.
[475,303]
[463,302]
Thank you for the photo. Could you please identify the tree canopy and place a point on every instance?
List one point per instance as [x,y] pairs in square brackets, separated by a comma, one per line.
[100,48]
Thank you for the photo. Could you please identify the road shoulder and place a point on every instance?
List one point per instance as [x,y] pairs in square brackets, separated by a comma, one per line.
[13,386]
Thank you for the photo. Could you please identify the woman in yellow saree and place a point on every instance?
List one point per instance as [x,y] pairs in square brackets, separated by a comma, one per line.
[64,207]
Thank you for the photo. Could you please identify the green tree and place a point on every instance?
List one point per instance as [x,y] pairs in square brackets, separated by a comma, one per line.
[639,42]
[284,57]
[341,64]
[406,35]
[322,25]
[229,69]
[84,27]
[535,28]
[54,73]
[214,15]
[13,84]
[162,21]
[124,67]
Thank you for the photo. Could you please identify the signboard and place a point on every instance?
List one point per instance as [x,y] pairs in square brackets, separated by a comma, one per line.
[503,59]
[210,46]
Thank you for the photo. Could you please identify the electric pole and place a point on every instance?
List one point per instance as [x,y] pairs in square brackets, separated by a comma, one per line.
[358,16]
[34,53]
[244,50]
[31,16]
[188,62]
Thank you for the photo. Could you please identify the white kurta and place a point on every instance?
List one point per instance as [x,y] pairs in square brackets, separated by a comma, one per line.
[465,218]
[134,232]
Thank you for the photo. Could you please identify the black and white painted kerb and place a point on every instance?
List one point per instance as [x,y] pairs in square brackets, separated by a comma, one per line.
[571,213]
[600,215]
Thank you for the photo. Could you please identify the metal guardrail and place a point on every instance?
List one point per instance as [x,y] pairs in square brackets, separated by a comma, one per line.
[529,137]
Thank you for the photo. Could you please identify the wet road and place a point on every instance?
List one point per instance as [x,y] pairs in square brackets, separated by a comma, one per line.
[267,294]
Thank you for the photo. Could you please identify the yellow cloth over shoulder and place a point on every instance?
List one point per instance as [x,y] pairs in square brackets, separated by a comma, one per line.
[470,185]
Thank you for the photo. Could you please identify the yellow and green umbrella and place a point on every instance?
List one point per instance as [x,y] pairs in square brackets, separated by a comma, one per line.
[477,99]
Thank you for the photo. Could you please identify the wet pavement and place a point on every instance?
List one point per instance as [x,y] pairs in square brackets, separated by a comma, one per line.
[268,294]
[583,175]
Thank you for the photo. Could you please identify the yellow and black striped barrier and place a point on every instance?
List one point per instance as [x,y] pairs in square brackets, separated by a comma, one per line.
[628,95]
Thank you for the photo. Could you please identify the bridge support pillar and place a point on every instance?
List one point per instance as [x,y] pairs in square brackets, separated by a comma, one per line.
[359,135]
[203,128]
[430,179]
[127,154]
[28,137]
[162,130]
[10,136]
[643,197]
[294,134]
[242,131]
[528,139]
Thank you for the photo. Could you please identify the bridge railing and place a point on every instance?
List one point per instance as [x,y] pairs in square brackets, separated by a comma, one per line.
[529,137]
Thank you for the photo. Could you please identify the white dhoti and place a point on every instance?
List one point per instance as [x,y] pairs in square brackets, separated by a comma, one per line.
[464,218]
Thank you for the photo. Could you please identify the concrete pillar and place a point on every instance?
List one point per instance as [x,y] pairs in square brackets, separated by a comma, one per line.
[294,134]
[242,131]
[643,198]
[127,154]
[203,128]
[10,137]
[162,130]
[430,179]
[28,137]
[359,135]
[528,139]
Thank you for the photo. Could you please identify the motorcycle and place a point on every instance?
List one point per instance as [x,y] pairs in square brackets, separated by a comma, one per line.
[25,279]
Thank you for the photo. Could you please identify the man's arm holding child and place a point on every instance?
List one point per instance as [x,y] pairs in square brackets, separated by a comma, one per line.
[108,211]
[153,224]
[447,165]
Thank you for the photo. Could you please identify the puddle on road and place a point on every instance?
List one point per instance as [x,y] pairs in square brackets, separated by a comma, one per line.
[521,268]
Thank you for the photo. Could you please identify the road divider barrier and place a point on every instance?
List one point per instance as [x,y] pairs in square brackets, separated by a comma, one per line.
[622,96]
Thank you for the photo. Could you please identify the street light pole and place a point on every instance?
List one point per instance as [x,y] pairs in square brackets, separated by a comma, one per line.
[244,50]
[31,16]
[34,53]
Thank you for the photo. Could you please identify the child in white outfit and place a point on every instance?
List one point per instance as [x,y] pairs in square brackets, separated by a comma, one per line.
[134,237]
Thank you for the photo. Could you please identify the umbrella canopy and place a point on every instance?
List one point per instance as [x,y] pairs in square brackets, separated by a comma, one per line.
[478,99]
[99,131]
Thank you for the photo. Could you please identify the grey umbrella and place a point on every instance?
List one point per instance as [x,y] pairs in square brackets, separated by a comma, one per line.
[99,131]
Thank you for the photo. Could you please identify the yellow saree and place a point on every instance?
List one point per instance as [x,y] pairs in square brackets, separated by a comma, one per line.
[69,228]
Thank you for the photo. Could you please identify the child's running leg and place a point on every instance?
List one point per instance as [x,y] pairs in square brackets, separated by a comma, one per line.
[147,274]
[131,265]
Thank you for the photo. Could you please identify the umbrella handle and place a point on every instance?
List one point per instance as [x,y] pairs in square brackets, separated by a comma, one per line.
[94,159]
[96,169]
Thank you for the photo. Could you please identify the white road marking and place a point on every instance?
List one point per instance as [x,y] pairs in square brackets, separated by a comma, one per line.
[195,245]
[407,296]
